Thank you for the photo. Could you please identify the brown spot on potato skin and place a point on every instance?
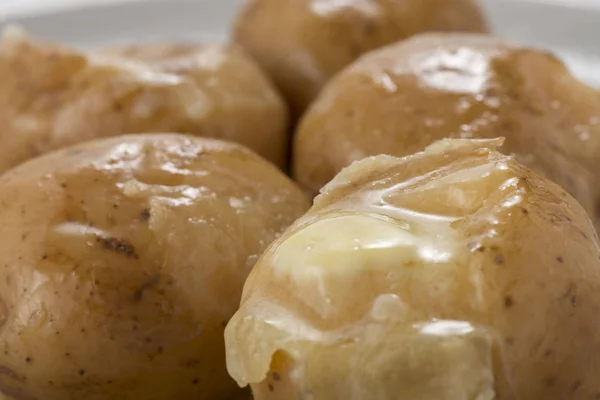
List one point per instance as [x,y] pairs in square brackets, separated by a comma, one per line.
[271,388]
[139,293]
[499,259]
[571,294]
[145,215]
[508,302]
[120,246]
[560,259]
[4,310]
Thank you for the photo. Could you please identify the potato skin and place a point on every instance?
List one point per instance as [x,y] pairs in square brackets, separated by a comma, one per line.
[303,43]
[121,260]
[453,273]
[401,98]
[52,96]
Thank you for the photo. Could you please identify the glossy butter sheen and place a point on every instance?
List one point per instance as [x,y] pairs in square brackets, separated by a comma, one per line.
[121,260]
[450,274]
[399,99]
[52,96]
[303,43]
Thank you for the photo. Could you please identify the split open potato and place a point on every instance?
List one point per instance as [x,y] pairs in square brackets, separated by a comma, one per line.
[121,261]
[456,273]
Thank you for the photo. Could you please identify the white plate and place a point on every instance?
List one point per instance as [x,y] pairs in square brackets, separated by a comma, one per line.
[569,27]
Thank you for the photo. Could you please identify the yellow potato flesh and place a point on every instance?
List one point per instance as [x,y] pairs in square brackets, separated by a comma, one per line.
[450,274]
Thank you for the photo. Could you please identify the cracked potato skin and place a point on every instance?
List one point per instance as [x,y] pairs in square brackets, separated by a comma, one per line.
[455,273]
[303,43]
[121,261]
[399,99]
[53,96]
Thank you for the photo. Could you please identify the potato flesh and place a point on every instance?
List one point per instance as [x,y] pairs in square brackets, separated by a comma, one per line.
[52,97]
[123,259]
[444,360]
[425,277]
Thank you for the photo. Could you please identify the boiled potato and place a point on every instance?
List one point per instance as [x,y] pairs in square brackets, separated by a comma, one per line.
[451,274]
[303,43]
[399,99]
[121,261]
[52,96]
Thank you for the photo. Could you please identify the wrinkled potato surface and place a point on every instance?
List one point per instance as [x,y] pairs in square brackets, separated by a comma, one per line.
[303,43]
[52,96]
[121,261]
[456,273]
[401,98]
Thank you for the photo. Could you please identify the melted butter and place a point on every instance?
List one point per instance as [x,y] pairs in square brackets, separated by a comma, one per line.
[344,248]
[389,307]
[378,265]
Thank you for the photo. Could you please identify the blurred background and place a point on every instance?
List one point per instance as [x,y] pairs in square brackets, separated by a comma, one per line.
[568,27]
